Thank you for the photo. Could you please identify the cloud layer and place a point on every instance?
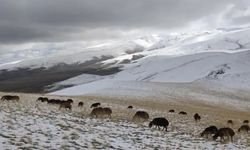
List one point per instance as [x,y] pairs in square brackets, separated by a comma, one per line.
[23,21]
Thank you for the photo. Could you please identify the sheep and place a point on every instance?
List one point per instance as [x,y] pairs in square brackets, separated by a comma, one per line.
[95,105]
[80,104]
[182,113]
[230,122]
[246,122]
[159,122]
[224,132]
[197,117]
[50,101]
[70,100]
[54,101]
[130,107]
[107,111]
[171,111]
[42,99]
[39,99]
[10,97]
[66,105]
[244,128]
[209,131]
[96,112]
[140,116]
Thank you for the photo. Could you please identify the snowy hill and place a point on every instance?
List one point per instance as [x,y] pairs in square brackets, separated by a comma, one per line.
[220,55]
[204,76]
[218,74]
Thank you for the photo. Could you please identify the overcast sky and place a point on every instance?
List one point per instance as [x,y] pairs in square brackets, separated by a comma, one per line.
[49,21]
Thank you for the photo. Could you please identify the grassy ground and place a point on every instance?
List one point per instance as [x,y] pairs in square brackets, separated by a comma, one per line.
[30,124]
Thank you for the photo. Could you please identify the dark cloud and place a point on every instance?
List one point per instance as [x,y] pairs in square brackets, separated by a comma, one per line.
[68,20]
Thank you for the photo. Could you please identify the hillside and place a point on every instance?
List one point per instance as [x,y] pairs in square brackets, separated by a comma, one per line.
[174,57]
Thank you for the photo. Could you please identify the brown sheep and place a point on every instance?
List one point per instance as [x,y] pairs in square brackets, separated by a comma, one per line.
[246,122]
[107,112]
[244,128]
[10,97]
[140,116]
[96,112]
[66,105]
[159,122]
[197,117]
[80,104]
[224,132]
[230,122]
[209,131]
[95,105]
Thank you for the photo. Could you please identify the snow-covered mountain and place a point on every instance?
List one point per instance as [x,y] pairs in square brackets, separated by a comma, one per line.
[216,57]
[204,76]
[168,44]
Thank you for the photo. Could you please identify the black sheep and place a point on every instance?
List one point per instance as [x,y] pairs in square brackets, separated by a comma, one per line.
[95,105]
[10,98]
[70,100]
[197,117]
[171,111]
[209,131]
[159,122]
[66,105]
[42,99]
[130,107]
[80,104]
[182,113]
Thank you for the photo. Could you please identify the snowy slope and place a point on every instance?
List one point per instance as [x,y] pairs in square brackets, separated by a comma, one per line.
[204,93]
[230,69]
[188,68]
[78,80]
[223,65]
[204,76]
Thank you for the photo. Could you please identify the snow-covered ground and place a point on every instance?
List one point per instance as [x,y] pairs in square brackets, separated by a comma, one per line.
[35,125]
[78,80]
[209,93]
[212,77]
